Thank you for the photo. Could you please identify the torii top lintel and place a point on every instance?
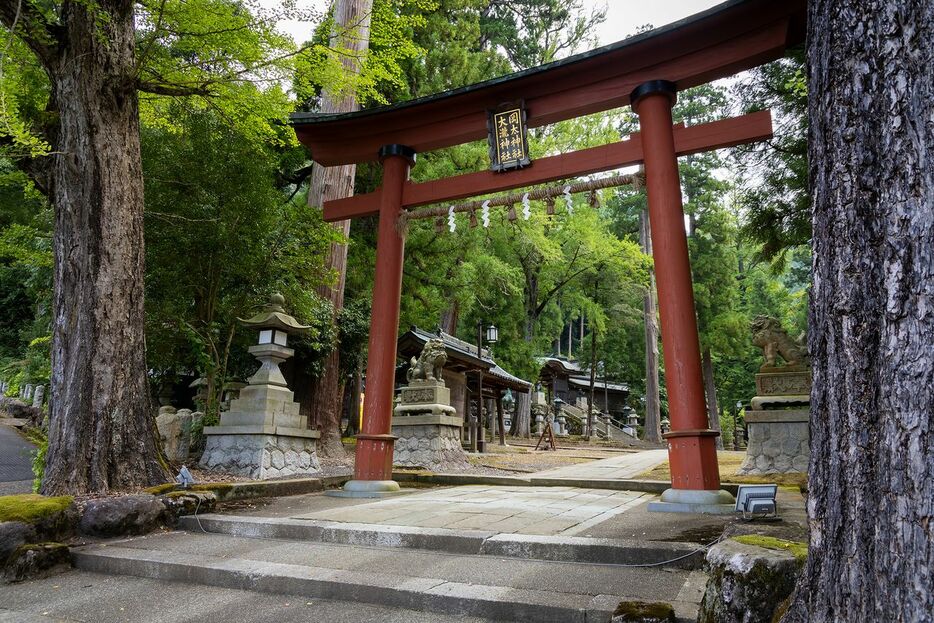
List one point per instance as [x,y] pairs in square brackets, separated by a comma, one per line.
[724,40]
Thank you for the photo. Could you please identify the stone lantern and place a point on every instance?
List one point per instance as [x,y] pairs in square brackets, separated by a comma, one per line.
[665,425]
[262,434]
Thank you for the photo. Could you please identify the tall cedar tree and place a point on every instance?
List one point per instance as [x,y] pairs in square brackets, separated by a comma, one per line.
[101,431]
[350,35]
[871,485]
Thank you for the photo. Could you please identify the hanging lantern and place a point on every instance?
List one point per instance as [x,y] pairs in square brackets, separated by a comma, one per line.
[512,214]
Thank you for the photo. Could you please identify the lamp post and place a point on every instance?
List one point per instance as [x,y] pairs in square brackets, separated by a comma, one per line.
[491,335]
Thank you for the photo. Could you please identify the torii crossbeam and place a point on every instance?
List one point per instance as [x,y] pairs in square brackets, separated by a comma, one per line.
[645,72]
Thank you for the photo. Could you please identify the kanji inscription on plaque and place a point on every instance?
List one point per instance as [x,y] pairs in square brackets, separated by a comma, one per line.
[509,145]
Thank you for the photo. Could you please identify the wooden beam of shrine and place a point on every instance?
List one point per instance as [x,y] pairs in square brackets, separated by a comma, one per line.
[749,128]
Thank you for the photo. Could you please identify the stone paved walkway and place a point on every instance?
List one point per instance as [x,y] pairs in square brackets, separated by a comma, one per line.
[621,467]
[524,510]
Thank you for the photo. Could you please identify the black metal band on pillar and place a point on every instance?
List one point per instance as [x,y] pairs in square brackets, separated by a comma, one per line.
[651,87]
[396,149]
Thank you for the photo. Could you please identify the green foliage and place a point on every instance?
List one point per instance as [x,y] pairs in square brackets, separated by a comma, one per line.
[775,194]
[38,463]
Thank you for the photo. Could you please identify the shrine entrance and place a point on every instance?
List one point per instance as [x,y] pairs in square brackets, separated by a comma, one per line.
[645,72]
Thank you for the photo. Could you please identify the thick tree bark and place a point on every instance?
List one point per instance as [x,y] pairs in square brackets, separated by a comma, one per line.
[871,154]
[351,35]
[101,428]
[652,430]
[710,390]
[522,418]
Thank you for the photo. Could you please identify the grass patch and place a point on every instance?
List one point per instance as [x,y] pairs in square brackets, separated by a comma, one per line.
[30,508]
[730,462]
[795,548]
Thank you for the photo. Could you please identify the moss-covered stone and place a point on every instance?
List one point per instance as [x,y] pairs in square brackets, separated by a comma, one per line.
[795,548]
[747,581]
[216,487]
[34,560]
[643,612]
[31,508]
[161,489]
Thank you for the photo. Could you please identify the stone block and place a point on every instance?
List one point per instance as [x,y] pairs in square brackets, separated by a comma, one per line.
[747,583]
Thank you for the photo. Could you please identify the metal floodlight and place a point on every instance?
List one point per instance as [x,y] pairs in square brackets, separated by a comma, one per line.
[184,478]
[756,499]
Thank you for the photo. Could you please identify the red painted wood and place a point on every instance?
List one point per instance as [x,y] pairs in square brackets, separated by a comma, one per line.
[715,135]
[737,38]
[375,444]
[692,455]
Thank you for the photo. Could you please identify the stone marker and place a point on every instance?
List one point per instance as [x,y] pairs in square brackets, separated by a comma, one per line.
[38,396]
[426,425]
[175,430]
[779,438]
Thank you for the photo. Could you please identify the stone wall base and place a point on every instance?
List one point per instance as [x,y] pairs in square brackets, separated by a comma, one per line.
[778,442]
[435,447]
[261,456]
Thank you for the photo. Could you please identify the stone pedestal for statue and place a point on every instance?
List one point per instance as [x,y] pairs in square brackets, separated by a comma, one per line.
[427,428]
[778,422]
[262,435]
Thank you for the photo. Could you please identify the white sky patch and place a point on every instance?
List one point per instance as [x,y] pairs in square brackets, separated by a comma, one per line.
[623,17]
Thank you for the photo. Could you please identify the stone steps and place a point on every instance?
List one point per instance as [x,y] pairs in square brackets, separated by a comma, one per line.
[488,586]
[477,542]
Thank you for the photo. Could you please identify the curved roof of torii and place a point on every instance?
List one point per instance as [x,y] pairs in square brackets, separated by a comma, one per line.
[725,39]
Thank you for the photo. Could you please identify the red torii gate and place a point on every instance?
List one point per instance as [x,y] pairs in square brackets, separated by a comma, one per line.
[645,71]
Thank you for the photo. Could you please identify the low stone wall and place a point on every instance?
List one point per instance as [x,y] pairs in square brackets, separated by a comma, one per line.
[428,442]
[779,442]
[261,456]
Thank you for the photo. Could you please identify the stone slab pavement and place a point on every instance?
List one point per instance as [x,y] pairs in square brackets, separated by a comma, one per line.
[87,596]
[15,462]
[623,467]
[550,511]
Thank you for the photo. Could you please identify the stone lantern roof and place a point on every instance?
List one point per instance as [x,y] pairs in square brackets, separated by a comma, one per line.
[274,317]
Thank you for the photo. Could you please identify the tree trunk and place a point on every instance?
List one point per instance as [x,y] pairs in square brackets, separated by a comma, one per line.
[101,427]
[522,418]
[710,390]
[500,420]
[871,325]
[351,35]
[652,431]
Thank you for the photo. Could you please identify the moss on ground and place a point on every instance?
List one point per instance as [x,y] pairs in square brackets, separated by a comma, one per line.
[636,611]
[730,462]
[30,508]
[215,487]
[160,489]
[795,548]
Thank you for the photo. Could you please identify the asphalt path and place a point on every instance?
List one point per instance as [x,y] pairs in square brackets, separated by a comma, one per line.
[15,462]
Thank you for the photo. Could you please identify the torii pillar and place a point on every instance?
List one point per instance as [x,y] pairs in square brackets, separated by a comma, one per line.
[373,461]
[692,452]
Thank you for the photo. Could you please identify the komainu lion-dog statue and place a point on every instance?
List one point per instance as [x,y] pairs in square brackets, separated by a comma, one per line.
[429,364]
[768,334]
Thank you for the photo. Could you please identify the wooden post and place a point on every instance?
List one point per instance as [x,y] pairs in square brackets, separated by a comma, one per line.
[691,444]
[373,465]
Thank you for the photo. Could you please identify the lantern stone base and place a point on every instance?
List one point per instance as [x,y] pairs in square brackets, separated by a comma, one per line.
[779,442]
[261,454]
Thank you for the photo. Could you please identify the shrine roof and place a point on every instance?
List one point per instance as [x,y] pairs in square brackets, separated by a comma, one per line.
[719,42]
[463,353]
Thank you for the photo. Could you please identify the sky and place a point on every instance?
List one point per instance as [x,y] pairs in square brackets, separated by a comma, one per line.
[622,19]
